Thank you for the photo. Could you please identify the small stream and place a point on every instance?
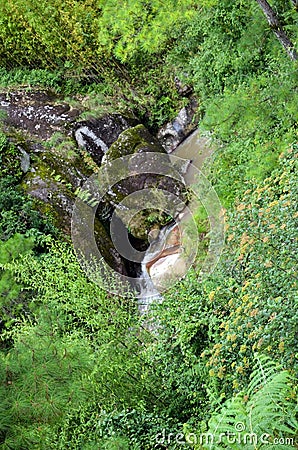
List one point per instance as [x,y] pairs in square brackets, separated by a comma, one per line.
[198,150]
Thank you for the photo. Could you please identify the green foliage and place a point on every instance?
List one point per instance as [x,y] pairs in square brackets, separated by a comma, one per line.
[40,34]
[10,291]
[17,213]
[139,427]
[225,43]
[78,369]
[133,429]
[83,348]
[134,51]
[44,374]
[9,158]
[22,229]
[265,412]
[140,26]
[254,123]
[209,332]
[57,79]
[262,236]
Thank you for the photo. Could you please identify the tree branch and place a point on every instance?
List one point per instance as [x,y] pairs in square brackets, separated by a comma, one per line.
[278,29]
[295,4]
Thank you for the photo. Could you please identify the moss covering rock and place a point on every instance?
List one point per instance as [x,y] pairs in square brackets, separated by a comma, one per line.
[134,141]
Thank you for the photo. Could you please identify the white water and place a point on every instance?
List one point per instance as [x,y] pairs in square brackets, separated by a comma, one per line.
[149,292]
[198,150]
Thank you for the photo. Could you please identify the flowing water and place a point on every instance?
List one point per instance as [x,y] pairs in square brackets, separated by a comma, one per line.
[198,150]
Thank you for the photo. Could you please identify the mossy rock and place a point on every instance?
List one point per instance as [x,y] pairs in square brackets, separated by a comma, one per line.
[52,183]
[133,141]
[97,135]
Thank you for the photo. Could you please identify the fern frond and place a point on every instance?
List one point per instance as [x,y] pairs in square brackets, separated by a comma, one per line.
[270,411]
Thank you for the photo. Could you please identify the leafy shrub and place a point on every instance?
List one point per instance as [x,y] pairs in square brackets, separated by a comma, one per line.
[10,163]
[127,429]
[254,124]
[263,233]
[209,332]
[17,213]
[12,301]
[83,348]
[261,415]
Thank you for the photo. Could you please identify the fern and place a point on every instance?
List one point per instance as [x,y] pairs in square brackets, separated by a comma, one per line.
[262,417]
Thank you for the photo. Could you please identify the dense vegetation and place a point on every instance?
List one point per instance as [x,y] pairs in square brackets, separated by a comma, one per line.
[78,370]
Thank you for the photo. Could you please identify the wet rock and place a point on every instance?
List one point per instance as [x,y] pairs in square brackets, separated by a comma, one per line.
[167,269]
[134,140]
[173,133]
[164,260]
[52,183]
[166,243]
[37,113]
[97,135]
[25,160]
[139,216]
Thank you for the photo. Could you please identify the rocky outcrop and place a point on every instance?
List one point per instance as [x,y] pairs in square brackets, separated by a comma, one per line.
[136,141]
[43,127]
[97,135]
[173,133]
[36,113]
[52,182]
[40,126]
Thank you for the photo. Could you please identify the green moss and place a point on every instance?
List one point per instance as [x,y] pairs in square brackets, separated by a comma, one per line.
[133,140]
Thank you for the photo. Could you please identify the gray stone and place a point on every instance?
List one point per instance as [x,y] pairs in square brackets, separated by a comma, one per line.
[97,135]
[37,113]
[135,142]
[173,133]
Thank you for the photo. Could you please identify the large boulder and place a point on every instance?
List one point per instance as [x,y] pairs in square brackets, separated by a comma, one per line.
[36,113]
[40,125]
[135,142]
[52,182]
[97,135]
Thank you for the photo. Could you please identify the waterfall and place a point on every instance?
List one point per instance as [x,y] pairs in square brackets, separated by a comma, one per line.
[164,252]
[148,292]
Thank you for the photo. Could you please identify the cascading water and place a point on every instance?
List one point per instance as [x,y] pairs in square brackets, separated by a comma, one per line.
[149,292]
[197,149]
